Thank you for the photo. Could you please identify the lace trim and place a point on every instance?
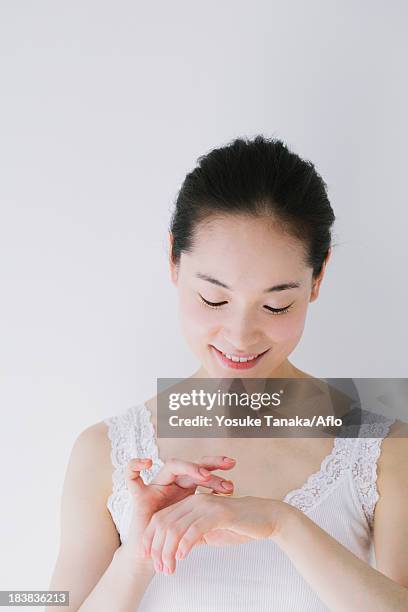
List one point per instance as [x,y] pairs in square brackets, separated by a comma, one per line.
[359,455]
[146,442]
[332,469]
[131,435]
[364,468]
[119,428]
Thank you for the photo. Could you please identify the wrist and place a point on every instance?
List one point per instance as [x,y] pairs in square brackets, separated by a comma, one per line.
[285,519]
[133,564]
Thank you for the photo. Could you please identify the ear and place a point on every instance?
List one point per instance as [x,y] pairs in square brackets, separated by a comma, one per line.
[317,282]
[173,267]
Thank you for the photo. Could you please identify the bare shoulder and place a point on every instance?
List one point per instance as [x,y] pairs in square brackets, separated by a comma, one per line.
[393,459]
[390,534]
[95,434]
[88,535]
[399,429]
[396,441]
[92,451]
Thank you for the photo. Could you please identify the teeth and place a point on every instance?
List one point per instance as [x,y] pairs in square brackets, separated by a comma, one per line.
[239,359]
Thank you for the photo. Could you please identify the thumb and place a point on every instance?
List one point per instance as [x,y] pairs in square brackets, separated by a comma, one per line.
[134,481]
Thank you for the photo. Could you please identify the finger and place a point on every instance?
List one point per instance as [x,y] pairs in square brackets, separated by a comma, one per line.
[165,516]
[217,462]
[156,548]
[219,485]
[188,477]
[174,521]
[178,467]
[147,538]
[216,483]
[193,535]
[174,533]
[134,481]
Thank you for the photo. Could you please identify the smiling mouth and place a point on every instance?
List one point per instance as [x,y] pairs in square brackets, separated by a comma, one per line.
[238,361]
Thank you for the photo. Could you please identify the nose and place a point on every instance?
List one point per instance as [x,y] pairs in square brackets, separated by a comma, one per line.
[242,334]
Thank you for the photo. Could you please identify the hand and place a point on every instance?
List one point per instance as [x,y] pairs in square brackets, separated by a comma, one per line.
[176,480]
[208,519]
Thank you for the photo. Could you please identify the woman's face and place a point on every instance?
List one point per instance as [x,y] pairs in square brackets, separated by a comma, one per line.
[235,263]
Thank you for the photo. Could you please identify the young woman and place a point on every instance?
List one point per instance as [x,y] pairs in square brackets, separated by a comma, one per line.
[299,518]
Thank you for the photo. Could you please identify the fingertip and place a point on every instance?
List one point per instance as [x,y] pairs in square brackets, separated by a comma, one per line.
[140,463]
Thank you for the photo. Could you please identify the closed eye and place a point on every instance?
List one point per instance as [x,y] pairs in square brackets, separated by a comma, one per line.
[278,310]
[212,304]
[269,308]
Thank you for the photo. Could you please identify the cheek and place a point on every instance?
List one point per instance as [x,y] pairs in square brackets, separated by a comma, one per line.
[286,328]
[196,320]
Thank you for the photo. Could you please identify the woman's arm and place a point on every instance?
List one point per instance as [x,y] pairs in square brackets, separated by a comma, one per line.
[120,588]
[90,562]
[342,580]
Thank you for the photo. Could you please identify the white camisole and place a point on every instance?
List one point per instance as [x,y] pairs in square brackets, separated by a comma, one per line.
[255,576]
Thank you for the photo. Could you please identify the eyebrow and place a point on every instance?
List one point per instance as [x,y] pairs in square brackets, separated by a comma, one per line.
[280,287]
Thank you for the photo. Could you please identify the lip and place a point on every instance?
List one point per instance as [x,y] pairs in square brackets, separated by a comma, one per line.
[236,365]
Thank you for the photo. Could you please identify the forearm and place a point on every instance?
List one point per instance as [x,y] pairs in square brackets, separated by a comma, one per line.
[121,587]
[343,582]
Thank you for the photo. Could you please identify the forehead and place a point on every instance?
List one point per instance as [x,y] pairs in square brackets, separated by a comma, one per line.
[243,251]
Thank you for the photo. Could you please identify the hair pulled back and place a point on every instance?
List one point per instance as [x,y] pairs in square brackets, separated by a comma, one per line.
[261,178]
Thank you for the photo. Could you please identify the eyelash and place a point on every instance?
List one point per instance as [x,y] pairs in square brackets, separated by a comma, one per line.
[216,305]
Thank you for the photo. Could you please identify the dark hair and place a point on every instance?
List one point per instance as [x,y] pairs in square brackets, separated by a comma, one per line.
[261,178]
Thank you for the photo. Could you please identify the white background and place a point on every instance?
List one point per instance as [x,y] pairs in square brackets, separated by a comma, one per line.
[105,106]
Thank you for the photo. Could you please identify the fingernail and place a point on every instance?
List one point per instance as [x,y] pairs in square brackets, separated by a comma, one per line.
[226,484]
[229,460]
[204,472]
